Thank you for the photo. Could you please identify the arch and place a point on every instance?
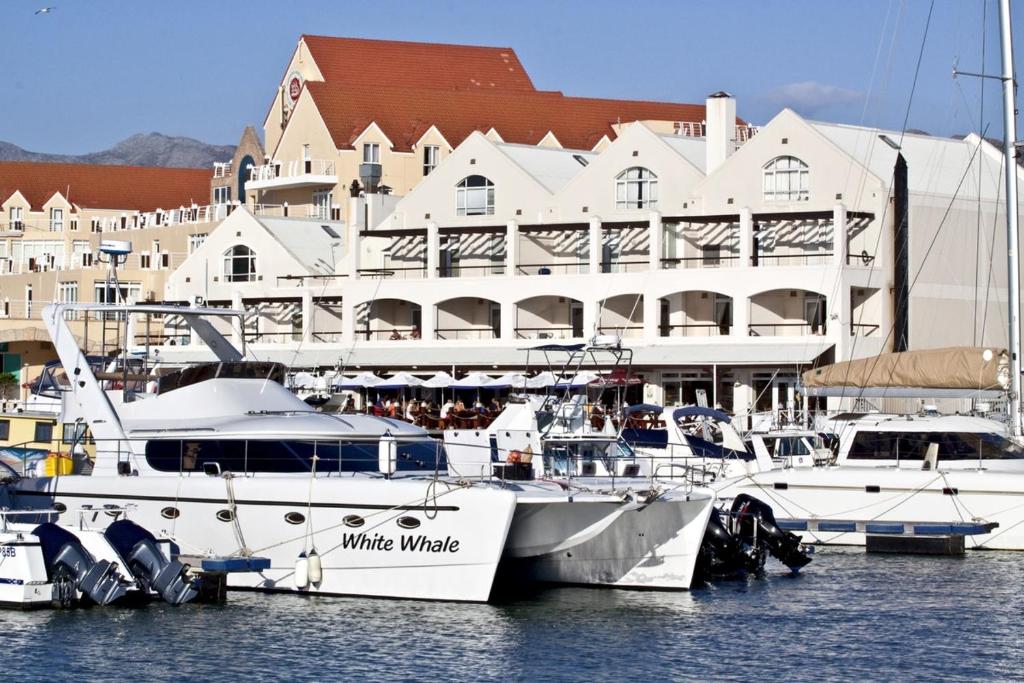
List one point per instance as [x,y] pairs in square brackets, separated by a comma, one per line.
[467,317]
[786,179]
[549,316]
[695,313]
[622,314]
[474,196]
[636,188]
[244,166]
[388,319]
[788,313]
[239,264]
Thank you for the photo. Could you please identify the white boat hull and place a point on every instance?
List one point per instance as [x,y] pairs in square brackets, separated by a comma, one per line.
[451,554]
[926,497]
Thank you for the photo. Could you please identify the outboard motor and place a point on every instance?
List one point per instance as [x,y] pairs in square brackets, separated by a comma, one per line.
[71,568]
[754,522]
[141,554]
[724,555]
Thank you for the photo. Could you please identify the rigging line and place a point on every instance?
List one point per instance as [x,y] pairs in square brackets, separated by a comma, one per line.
[981,124]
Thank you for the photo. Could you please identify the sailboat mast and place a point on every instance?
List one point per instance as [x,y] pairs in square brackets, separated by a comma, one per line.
[1012,234]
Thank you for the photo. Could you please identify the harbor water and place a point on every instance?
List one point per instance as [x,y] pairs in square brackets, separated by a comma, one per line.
[849,616]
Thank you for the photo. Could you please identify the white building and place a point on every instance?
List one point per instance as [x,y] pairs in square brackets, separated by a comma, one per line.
[726,262]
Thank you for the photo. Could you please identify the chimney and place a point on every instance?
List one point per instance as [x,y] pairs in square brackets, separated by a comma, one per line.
[720,129]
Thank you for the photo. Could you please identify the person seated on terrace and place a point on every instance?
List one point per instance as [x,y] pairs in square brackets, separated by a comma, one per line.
[415,334]
[411,410]
[395,335]
[447,408]
[350,405]
[459,406]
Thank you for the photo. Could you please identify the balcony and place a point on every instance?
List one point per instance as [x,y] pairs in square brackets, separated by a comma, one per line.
[788,313]
[388,320]
[695,314]
[468,318]
[288,174]
[549,317]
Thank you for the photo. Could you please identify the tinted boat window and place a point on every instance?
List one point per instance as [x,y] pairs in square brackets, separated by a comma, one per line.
[190,455]
[913,446]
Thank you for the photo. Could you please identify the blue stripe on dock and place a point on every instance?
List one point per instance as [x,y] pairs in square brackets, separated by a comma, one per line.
[884,528]
[837,526]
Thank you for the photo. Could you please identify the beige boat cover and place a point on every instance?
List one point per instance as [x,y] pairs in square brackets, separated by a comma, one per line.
[956,367]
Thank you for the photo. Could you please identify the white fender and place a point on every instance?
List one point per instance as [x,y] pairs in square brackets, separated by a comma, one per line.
[302,572]
[315,567]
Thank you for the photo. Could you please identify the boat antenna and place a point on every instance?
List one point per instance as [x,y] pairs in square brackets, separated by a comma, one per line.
[1012,236]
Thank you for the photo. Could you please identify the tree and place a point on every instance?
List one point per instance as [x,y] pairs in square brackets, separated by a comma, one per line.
[8,386]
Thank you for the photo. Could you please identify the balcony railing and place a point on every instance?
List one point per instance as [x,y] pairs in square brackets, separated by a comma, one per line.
[318,211]
[694,330]
[622,330]
[471,271]
[816,259]
[571,268]
[221,169]
[450,333]
[394,334]
[283,170]
[631,266]
[785,329]
[864,330]
[549,332]
[724,261]
[400,273]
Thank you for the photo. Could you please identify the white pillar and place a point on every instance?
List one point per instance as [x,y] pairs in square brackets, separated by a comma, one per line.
[508,320]
[594,252]
[428,317]
[307,314]
[651,317]
[740,314]
[236,332]
[355,246]
[348,320]
[433,253]
[654,237]
[511,256]
[839,235]
[746,236]
[589,318]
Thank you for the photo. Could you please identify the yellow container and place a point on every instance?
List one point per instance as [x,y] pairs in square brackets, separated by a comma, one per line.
[57,464]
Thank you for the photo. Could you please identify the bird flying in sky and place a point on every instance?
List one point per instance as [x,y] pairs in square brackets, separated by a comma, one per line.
[45,10]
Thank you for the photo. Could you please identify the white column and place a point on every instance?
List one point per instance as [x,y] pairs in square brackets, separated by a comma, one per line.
[307,314]
[839,235]
[651,310]
[740,314]
[746,236]
[594,252]
[508,320]
[355,247]
[236,332]
[589,318]
[348,320]
[511,255]
[433,253]
[654,236]
[428,316]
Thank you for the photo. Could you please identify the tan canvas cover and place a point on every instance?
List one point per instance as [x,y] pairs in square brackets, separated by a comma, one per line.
[957,367]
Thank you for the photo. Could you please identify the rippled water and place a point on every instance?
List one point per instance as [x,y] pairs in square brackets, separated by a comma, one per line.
[849,616]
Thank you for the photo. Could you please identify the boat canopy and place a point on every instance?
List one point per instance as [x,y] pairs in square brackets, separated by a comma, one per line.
[700,411]
[643,408]
[958,370]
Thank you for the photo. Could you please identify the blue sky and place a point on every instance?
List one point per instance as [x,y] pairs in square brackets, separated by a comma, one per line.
[93,72]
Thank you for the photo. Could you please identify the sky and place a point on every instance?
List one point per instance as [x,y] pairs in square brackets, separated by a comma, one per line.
[93,72]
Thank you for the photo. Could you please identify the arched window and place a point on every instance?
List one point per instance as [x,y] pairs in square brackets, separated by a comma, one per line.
[786,179]
[636,188]
[474,196]
[239,264]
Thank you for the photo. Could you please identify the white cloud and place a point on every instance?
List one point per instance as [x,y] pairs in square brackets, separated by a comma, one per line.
[810,97]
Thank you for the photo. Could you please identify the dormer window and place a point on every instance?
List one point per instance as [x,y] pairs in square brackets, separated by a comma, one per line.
[636,188]
[239,264]
[786,179]
[56,220]
[371,153]
[474,196]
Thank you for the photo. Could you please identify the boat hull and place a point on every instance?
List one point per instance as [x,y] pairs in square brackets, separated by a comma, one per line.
[403,539]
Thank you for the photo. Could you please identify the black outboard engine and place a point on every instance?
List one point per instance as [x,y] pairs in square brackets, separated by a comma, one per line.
[724,555]
[141,554]
[71,568]
[754,522]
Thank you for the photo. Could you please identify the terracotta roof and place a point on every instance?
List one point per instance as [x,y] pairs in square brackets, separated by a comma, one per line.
[363,62]
[404,114]
[142,188]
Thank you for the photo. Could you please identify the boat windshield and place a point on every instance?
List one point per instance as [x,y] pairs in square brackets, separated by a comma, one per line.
[789,446]
[870,445]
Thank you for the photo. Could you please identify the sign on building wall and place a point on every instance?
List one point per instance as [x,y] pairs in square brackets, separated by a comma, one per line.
[293,87]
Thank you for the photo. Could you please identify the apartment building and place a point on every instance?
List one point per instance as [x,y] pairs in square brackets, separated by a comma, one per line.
[728,262]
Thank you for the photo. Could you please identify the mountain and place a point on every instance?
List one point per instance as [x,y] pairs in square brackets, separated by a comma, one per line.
[144,149]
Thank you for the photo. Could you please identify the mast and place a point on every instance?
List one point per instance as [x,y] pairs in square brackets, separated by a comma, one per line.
[1012,234]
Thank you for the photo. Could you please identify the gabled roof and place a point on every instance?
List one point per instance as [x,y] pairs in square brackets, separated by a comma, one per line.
[551,167]
[93,186]
[362,62]
[307,240]
[403,113]
[693,150]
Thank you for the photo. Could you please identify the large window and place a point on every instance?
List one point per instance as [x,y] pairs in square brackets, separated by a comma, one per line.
[431,154]
[322,200]
[371,153]
[126,292]
[475,196]
[239,264]
[222,195]
[868,445]
[56,220]
[43,432]
[786,179]
[67,292]
[636,188]
[16,220]
[195,241]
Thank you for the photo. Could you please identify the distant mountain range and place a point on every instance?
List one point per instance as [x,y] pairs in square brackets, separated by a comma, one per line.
[144,149]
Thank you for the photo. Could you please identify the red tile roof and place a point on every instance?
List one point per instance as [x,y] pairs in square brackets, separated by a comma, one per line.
[405,113]
[361,62]
[93,186]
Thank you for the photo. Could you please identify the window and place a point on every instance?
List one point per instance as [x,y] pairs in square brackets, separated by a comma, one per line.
[222,195]
[786,179]
[39,254]
[126,292]
[711,255]
[74,224]
[95,225]
[145,262]
[723,313]
[5,429]
[56,220]
[431,155]
[239,264]
[371,153]
[636,188]
[67,292]
[322,200]
[15,218]
[28,301]
[44,432]
[474,196]
[869,445]
[195,241]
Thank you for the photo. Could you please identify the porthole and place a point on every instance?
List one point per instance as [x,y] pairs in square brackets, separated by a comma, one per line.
[408,522]
[295,518]
[60,508]
[353,521]
[225,515]
[170,513]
